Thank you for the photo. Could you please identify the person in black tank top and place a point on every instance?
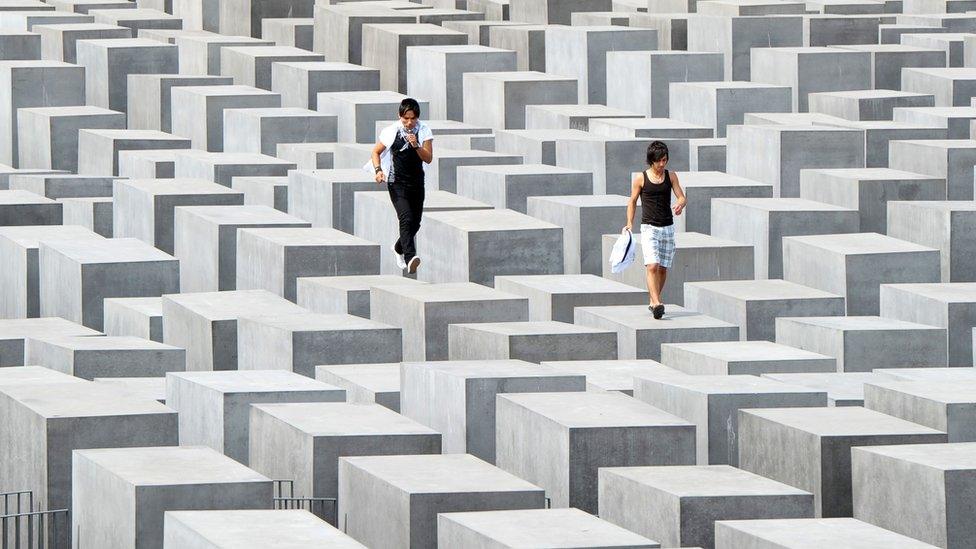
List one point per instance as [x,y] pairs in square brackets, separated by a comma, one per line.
[654,187]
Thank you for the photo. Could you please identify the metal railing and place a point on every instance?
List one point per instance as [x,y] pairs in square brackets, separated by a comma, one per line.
[23,527]
[284,498]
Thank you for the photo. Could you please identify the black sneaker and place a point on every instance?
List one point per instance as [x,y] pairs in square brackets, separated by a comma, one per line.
[658,311]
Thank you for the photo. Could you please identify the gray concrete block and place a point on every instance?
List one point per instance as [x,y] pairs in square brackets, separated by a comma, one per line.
[955,119]
[964,374]
[146,208]
[50,419]
[794,533]
[538,526]
[261,130]
[735,36]
[552,12]
[148,388]
[639,335]
[91,357]
[148,164]
[810,448]
[478,245]
[611,159]
[437,72]
[842,388]
[952,87]
[109,62]
[15,332]
[877,104]
[527,41]
[949,159]
[223,167]
[935,476]
[299,83]
[588,54]
[949,306]
[309,156]
[393,501]
[140,317]
[93,213]
[814,69]
[717,104]
[338,30]
[214,407]
[314,436]
[533,341]
[20,45]
[625,433]
[868,190]
[457,398]
[570,117]
[84,6]
[855,265]
[326,198]
[943,405]
[206,242]
[701,187]
[385,48]
[251,65]
[658,70]
[27,208]
[712,402]
[250,529]
[19,290]
[679,505]
[200,54]
[879,134]
[359,111]
[76,275]
[365,383]
[298,342]
[763,222]
[776,154]
[510,186]
[23,79]
[59,42]
[98,150]
[150,95]
[343,294]
[555,297]
[290,31]
[165,479]
[672,28]
[24,21]
[205,324]
[941,225]
[59,186]
[754,306]
[137,19]
[197,111]
[744,358]
[498,99]
[584,220]
[535,146]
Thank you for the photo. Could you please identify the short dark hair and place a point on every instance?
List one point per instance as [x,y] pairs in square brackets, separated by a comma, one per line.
[656,151]
[410,104]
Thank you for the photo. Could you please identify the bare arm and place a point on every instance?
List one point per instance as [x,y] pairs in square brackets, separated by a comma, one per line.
[679,193]
[426,151]
[635,190]
[378,149]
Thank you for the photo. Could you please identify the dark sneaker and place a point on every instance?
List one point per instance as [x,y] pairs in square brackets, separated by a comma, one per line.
[413,264]
[658,311]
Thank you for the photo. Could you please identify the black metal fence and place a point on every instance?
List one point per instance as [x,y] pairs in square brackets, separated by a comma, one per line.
[284,498]
[24,527]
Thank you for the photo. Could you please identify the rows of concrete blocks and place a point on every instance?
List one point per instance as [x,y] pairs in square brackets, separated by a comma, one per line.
[665,463]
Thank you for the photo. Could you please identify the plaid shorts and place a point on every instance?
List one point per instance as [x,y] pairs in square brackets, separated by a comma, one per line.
[657,244]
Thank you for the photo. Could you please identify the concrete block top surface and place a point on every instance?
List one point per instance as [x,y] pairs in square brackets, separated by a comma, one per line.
[378,378]
[128,43]
[214,38]
[858,323]
[784,204]
[453,292]
[108,250]
[928,374]
[941,144]
[703,481]
[583,201]
[763,290]
[485,369]
[474,221]
[277,112]
[740,351]
[446,473]
[590,111]
[6,66]
[593,410]
[18,197]
[181,186]
[151,388]
[422,29]
[362,97]
[240,215]
[571,284]
[717,179]
[953,456]
[307,236]
[691,239]
[955,73]
[613,375]
[78,110]
[343,419]
[948,292]
[877,94]
[271,51]
[358,283]
[258,529]
[34,375]
[518,76]
[520,169]
[864,174]
[943,392]
[233,304]
[732,384]
[315,322]
[840,421]
[551,134]
[637,317]
[104,343]
[551,528]
[222,90]
[840,386]
[74,400]
[30,236]
[816,533]
[252,381]
[149,306]
[170,465]
[945,206]
[459,48]
[544,327]
[19,328]
[227,158]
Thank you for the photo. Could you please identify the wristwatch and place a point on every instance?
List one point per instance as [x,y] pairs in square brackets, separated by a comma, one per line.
[377,169]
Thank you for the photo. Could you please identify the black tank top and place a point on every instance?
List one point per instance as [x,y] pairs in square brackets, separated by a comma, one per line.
[407,165]
[656,202]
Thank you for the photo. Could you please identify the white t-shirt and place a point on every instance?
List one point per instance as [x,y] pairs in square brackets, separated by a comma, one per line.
[387,136]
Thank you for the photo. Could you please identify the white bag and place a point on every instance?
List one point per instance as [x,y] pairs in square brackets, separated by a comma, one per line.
[622,254]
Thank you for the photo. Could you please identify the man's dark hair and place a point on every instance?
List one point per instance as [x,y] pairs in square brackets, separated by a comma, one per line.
[410,104]
[656,151]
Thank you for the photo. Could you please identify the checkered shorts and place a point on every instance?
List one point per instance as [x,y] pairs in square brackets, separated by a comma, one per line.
[657,244]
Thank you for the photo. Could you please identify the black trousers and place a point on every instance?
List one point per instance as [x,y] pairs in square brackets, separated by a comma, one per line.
[408,201]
